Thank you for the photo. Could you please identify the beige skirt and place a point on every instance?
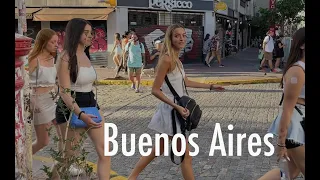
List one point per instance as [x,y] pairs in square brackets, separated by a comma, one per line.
[43,108]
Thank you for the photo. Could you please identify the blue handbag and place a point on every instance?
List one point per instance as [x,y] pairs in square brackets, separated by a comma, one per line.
[77,123]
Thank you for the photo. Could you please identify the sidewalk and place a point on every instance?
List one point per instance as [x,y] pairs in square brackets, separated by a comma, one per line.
[39,162]
[241,68]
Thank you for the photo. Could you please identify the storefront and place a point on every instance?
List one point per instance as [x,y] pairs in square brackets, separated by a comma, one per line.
[226,23]
[150,19]
[57,19]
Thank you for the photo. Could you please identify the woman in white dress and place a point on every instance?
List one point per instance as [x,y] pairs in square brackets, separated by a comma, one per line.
[170,65]
[117,49]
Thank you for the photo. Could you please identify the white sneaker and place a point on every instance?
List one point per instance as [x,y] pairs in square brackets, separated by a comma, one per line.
[75,171]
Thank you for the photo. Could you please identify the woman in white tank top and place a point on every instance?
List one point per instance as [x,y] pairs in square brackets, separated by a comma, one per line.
[117,49]
[170,65]
[42,79]
[76,73]
[289,124]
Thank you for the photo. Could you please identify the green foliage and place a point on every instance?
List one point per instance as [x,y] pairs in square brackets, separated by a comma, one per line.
[286,12]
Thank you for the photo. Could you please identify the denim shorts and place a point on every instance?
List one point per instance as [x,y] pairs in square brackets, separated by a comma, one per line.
[83,99]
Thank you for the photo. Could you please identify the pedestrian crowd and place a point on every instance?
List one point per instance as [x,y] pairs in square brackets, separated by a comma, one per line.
[74,108]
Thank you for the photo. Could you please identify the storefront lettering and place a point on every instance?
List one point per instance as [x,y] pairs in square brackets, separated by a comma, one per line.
[169,5]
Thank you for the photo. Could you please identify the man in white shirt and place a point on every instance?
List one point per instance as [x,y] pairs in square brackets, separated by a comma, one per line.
[268,46]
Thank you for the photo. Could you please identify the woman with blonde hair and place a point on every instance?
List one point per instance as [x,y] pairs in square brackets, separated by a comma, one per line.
[169,65]
[42,80]
[42,72]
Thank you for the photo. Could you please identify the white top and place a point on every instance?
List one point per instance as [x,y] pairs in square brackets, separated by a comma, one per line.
[46,76]
[270,44]
[85,79]
[303,90]
[162,119]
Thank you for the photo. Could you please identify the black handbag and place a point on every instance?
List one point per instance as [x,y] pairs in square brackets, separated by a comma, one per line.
[192,121]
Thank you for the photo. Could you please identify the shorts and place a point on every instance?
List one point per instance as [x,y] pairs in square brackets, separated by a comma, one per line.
[134,69]
[291,145]
[83,99]
[268,56]
[45,108]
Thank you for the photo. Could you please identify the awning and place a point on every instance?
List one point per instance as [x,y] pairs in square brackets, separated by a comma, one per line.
[29,12]
[66,14]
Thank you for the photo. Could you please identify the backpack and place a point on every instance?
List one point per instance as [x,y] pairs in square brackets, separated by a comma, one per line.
[260,44]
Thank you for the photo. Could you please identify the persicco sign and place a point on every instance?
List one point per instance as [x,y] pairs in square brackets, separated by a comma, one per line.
[169,5]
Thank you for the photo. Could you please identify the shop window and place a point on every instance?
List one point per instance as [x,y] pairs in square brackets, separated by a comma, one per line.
[243,3]
[137,18]
[186,19]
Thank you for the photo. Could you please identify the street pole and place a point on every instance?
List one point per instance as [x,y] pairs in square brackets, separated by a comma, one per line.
[24,145]
[22,21]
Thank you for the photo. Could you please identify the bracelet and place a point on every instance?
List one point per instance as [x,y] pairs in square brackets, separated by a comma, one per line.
[80,114]
[281,145]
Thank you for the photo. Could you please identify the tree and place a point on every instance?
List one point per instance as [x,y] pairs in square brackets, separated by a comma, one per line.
[286,13]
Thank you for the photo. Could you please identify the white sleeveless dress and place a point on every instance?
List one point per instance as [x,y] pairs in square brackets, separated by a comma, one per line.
[162,120]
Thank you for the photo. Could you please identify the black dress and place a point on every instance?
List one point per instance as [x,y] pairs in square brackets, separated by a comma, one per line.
[279,51]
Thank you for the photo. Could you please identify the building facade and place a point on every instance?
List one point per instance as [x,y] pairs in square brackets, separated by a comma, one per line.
[55,14]
[233,19]
[150,19]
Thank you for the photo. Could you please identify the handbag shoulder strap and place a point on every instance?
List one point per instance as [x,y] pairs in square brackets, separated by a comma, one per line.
[183,81]
[175,94]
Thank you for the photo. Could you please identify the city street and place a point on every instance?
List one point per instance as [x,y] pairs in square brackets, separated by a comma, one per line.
[249,108]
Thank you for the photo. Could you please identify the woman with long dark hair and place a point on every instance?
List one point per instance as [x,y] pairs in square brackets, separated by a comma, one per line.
[289,124]
[76,76]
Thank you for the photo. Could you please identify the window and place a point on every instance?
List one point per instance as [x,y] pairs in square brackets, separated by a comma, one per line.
[243,3]
[137,18]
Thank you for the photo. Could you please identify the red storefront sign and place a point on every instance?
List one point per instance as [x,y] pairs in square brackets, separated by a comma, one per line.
[272,4]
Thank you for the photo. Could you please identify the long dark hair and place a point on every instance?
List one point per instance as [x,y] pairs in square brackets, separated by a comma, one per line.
[296,53]
[87,51]
[74,31]
[207,37]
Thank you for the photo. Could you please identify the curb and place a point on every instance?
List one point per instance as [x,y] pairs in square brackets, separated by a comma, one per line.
[149,82]
[113,175]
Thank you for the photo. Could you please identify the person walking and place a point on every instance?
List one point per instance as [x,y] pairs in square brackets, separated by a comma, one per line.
[215,50]
[169,65]
[76,76]
[135,55]
[42,72]
[279,52]
[154,56]
[267,48]
[123,62]
[118,50]
[289,126]
[206,48]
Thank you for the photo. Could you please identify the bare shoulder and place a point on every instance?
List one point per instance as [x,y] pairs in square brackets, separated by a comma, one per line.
[295,72]
[166,59]
[63,60]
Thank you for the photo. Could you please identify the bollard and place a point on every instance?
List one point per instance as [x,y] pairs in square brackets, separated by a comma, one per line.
[23,156]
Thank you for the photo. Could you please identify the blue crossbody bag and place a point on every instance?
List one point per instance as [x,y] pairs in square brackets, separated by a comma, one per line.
[75,122]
